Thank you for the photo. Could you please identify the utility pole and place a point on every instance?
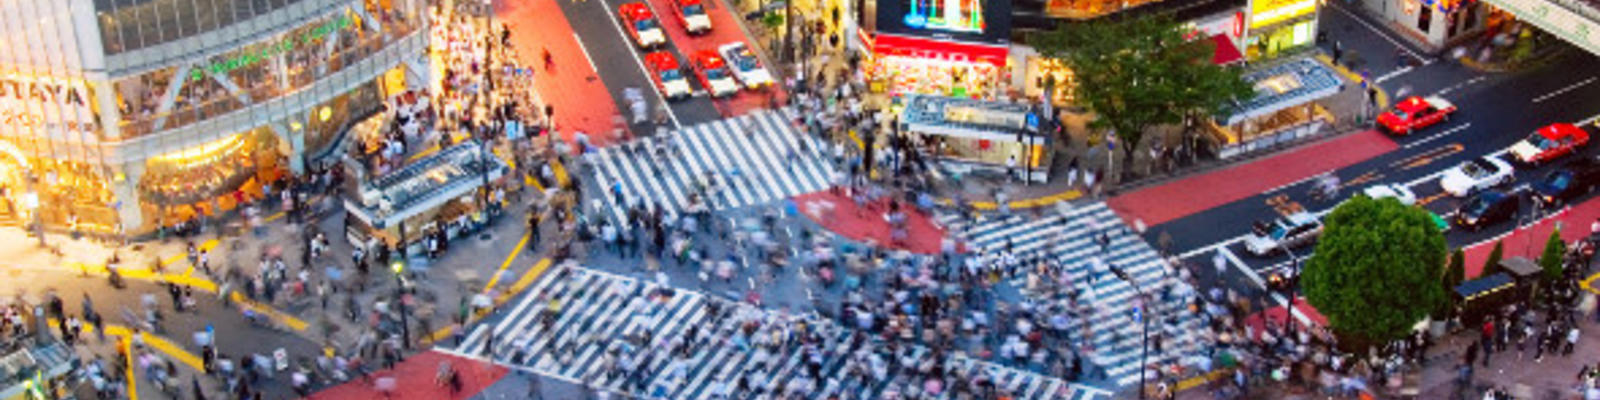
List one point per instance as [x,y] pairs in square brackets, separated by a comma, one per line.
[400,298]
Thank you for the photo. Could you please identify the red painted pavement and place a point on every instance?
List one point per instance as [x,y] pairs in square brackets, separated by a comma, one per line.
[414,379]
[581,100]
[1159,204]
[724,30]
[862,225]
[1257,321]
[1529,241]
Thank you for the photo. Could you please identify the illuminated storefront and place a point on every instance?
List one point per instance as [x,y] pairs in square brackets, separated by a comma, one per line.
[1280,26]
[1225,30]
[1434,23]
[940,47]
[117,116]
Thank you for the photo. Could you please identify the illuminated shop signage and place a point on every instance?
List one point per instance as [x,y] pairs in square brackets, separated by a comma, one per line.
[1268,12]
[45,103]
[271,50]
[960,16]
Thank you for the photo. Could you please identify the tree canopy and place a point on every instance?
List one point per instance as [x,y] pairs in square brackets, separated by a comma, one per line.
[1141,72]
[1376,270]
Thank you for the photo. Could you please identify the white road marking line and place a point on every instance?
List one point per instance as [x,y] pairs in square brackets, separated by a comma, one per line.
[1245,268]
[1298,181]
[1393,74]
[1458,86]
[640,63]
[586,57]
[1436,136]
[1558,92]
[1384,35]
[1212,247]
[1589,120]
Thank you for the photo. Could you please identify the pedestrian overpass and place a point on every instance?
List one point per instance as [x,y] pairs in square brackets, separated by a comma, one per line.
[1576,21]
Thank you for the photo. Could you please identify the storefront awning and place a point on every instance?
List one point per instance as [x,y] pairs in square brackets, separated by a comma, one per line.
[907,46]
[1226,53]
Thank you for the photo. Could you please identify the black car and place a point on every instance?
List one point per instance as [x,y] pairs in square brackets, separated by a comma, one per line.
[1568,182]
[1486,208]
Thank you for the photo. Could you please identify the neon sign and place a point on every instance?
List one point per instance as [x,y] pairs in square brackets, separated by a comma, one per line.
[964,16]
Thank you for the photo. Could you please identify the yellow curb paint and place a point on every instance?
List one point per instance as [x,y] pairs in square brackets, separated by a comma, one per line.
[147,275]
[529,180]
[274,217]
[1024,203]
[133,386]
[560,171]
[859,144]
[515,251]
[159,343]
[1198,380]
[424,153]
[522,283]
[287,320]
[1588,284]
[207,245]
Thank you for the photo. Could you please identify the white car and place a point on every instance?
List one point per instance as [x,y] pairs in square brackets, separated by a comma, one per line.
[1474,175]
[1391,190]
[1283,233]
[745,65]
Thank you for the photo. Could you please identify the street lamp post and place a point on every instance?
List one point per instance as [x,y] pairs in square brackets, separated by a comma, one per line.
[1289,286]
[399,297]
[1144,330]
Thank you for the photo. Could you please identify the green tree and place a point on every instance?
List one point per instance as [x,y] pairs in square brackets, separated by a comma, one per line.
[1141,72]
[1454,274]
[1494,257]
[1376,270]
[1550,261]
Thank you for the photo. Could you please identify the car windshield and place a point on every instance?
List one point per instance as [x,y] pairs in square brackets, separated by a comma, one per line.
[1540,141]
[694,10]
[1558,180]
[716,73]
[1477,206]
[644,24]
[670,75]
[1400,115]
[1476,168]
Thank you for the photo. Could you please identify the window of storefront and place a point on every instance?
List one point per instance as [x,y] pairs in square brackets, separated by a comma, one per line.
[127,25]
[209,177]
[941,77]
[260,72]
[1042,70]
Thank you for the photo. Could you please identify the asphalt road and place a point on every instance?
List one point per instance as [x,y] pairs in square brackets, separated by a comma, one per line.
[620,62]
[1496,110]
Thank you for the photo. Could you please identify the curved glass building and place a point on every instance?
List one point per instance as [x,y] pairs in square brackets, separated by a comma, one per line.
[119,115]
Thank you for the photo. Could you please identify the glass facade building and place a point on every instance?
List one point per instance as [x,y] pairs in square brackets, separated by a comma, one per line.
[117,116]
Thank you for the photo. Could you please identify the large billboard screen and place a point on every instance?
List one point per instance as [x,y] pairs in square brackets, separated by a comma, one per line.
[981,21]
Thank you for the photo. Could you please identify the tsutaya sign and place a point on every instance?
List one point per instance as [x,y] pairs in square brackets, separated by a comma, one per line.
[270,50]
[1556,19]
[29,103]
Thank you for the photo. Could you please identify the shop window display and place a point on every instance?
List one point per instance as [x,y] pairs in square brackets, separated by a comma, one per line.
[73,195]
[229,170]
[940,77]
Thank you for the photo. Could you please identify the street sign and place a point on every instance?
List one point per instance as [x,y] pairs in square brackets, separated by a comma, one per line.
[1138,314]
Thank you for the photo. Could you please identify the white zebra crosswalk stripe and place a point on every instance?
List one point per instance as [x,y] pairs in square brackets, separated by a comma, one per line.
[601,313]
[748,157]
[1072,240]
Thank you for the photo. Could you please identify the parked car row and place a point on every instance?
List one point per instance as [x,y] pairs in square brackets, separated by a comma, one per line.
[722,72]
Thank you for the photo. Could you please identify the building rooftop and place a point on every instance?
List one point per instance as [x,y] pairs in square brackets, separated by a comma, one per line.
[1284,85]
[427,182]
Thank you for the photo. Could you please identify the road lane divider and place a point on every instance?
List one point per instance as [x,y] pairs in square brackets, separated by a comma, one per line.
[615,23]
[1436,136]
[284,318]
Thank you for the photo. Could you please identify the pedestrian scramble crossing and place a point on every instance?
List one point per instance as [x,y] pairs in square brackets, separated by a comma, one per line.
[1114,317]
[598,311]
[753,159]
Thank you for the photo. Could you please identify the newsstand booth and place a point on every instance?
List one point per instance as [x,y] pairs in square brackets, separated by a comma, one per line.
[435,192]
[1524,272]
[1483,297]
[966,135]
